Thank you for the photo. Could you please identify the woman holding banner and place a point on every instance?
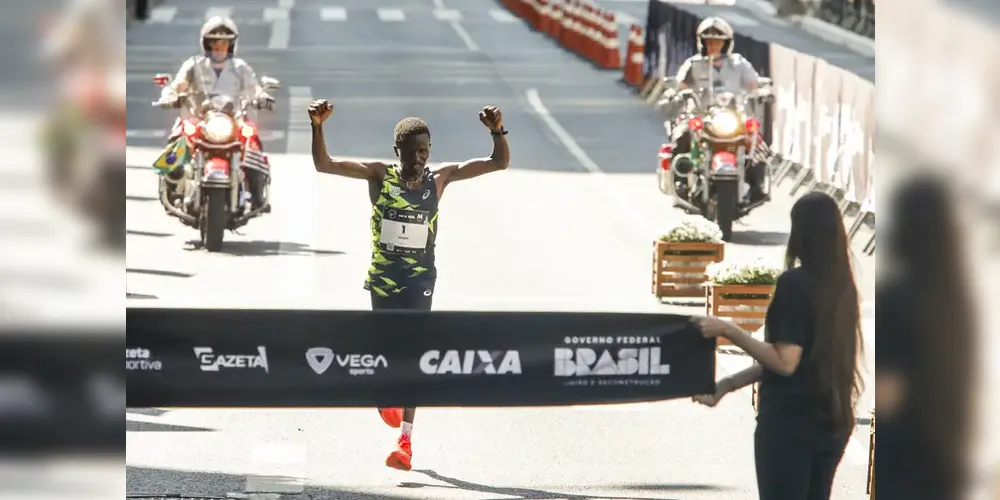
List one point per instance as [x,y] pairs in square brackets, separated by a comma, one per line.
[808,364]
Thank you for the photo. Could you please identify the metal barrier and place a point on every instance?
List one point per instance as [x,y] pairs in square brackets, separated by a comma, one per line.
[859,218]
[854,15]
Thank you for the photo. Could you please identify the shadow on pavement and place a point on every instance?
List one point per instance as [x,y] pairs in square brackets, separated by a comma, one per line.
[151,234]
[259,248]
[133,426]
[144,296]
[157,272]
[674,487]
[759,238]
[143,482]
[152,412]
[528,493]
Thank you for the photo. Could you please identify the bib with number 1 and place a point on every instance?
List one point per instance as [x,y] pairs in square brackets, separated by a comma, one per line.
[404,232]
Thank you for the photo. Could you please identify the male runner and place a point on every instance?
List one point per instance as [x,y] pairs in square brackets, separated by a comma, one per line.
[404,219]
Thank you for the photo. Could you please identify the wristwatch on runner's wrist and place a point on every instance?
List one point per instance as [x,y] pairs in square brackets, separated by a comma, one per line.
[497,133]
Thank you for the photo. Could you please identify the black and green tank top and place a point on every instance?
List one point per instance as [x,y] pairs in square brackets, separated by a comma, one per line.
[404,227]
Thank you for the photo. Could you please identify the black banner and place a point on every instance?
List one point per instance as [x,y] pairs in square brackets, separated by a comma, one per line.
[60,392]
[288,358]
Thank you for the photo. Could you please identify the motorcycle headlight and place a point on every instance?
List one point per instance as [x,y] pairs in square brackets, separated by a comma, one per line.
[219,129]
[724,124]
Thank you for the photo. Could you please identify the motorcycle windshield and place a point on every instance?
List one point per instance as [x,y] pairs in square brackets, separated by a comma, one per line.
[221,102]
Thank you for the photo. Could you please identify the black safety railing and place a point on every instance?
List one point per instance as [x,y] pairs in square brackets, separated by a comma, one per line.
[854,15]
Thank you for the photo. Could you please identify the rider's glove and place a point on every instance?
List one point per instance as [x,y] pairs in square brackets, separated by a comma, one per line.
[766,99]
[168,102]
[265,101]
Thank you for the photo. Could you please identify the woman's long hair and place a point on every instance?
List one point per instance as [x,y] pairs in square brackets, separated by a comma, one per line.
[925,247]
[818,243]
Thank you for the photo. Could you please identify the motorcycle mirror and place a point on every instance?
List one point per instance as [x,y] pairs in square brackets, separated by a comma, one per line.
[270,83]
[161,79]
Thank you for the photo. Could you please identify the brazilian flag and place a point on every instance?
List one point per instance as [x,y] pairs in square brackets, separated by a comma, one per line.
[176,153]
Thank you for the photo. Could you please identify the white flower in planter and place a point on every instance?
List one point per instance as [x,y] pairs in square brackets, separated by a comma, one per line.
[756,272]
[693,229]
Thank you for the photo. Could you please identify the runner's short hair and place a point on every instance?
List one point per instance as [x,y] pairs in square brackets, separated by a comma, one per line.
[409,127]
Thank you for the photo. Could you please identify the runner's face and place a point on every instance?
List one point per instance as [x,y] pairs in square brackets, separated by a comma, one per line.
[415,151]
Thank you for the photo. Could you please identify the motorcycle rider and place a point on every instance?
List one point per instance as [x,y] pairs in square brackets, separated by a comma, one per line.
[218,71]
[732,73]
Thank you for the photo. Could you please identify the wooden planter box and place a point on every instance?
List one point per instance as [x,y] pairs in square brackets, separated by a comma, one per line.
[745,305]
[870,486]
[679,268]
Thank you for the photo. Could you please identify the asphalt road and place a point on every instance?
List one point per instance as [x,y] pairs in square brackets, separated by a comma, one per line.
[569,227]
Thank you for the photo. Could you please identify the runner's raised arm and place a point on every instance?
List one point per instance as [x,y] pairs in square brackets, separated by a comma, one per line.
[319,111]
[499,159]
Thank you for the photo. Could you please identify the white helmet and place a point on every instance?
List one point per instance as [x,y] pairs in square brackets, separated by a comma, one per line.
[715,28]
[219,28]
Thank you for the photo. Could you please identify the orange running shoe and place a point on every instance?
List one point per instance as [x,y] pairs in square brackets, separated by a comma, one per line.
[400,459]
[393,417]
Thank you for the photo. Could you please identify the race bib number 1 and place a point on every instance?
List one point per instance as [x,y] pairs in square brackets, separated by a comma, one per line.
[404,231]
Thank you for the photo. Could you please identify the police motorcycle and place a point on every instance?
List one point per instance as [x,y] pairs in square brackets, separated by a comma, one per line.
[222,150]
[710,180]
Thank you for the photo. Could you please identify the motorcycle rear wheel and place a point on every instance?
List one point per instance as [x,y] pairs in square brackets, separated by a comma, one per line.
[213,219]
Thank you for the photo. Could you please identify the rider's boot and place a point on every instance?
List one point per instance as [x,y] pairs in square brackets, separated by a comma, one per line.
[755,180]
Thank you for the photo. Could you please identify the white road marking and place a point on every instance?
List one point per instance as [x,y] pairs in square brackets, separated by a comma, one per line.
[272,14]
[281,34]
[391,15]
[447,14]
[218,11]
[333,14]
[299,127]
[465,36]
[293,195]
[273,484]
[286,4]
[163,14]
[453,17]
[502,16]
[626,18]
[638,220]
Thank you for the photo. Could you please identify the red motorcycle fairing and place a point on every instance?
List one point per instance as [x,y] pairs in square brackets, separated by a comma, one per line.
[216,167]
[723,159]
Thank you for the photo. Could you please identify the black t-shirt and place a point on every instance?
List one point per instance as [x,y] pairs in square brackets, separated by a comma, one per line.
[908,466]
[791,319]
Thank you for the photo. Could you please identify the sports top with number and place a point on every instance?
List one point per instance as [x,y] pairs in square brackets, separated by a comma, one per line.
[404,227]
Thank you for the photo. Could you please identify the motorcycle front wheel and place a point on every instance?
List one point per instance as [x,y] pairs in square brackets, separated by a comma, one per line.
[726,194]
[213,219]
